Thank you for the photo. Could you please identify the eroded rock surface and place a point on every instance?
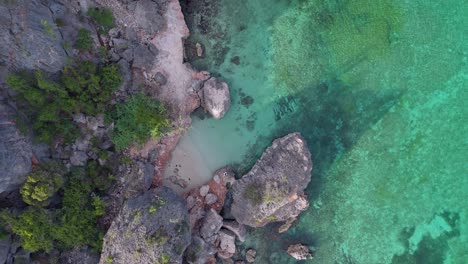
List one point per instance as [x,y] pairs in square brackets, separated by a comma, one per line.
[31,40]
[15,152]
[272,191]
[151,228]
[215,97]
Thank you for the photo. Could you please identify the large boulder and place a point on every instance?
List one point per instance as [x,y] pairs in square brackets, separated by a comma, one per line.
[151,228]
[215,97]
[15,153]
[272,191]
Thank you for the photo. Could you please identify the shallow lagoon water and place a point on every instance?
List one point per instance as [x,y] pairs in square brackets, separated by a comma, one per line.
[379,90]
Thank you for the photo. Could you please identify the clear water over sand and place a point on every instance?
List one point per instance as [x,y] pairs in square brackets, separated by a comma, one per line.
[378,88]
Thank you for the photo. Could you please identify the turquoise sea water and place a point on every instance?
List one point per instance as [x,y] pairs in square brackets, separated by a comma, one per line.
[379,89]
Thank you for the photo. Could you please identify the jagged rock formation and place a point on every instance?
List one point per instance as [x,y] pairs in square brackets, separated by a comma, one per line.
[15,152]
[150,228]
[215,97]
[272,191]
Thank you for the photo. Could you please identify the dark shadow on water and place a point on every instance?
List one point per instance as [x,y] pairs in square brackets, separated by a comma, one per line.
[332,117]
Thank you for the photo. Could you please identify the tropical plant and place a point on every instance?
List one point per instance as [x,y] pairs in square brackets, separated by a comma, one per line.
[138,120]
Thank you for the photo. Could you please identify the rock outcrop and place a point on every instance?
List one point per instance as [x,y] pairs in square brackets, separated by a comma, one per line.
[272,191]
[32,41]
[151,228]
[299,252]
[215,97]
[15,152]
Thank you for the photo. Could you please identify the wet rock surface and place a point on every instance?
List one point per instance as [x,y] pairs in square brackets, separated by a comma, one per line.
[272,191]
[150,228]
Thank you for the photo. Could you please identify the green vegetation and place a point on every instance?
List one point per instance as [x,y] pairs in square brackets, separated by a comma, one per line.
[158,238]
[109,259]
[138,120]
[78,217]
[72,224]
[84,42]
[42,183]
[34,227]
[164,259]
[49,28]
[152,209]
[253,194]
[83,87]
[103,17]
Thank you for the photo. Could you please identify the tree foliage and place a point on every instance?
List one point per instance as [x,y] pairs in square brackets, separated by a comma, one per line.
[74,223]
[138,120]
[103,17]
[42,183]
[83,87]
[84,42]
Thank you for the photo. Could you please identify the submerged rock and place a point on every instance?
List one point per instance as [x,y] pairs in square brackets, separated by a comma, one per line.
[151,228]
[299,252]
[215,97]
[250,255]
[272,191]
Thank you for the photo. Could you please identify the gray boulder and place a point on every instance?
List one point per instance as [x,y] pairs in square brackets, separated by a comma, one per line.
[211,224]
[150,228]
[272,191]
[215,97]
[299,252]
[32,40]
[15,153]
[226,246]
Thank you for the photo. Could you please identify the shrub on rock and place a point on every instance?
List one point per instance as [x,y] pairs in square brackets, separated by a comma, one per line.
[140,119]
[42,183]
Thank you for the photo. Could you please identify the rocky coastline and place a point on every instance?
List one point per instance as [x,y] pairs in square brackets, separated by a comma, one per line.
[146,221]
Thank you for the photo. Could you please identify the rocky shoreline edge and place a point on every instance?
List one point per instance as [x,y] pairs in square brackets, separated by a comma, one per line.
[149,223]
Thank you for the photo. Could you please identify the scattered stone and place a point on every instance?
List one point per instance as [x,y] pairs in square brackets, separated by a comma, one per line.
[235,60]
[215,97]
[250,255]
[160,79]
[199,48]
[300,252]
[272,191]
[236,228]
[211,199]
[226,246]
[204,190]
[212,223]
[78,158]
[179,181]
